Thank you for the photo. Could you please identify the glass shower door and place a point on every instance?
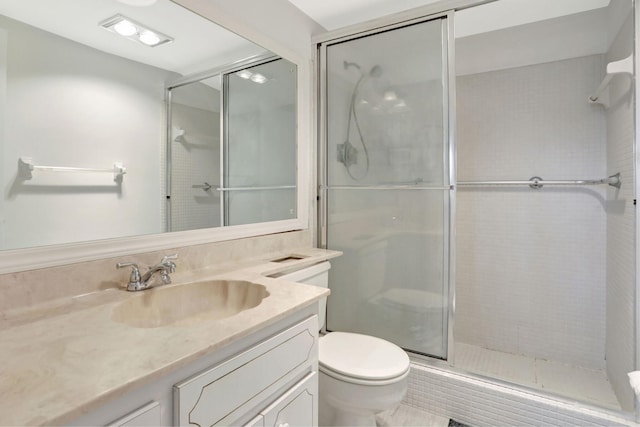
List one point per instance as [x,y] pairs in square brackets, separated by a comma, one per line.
[260,152]
[386,184]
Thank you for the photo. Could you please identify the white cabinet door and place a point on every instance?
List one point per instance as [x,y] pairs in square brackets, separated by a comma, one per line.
[147,416]
[298,407]
[256,422]
[230,390]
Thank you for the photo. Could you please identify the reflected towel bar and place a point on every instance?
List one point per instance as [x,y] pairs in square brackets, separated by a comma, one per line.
[26,167]
[537,182]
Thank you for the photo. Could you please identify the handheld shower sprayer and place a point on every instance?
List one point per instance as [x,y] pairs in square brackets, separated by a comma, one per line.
[347,153]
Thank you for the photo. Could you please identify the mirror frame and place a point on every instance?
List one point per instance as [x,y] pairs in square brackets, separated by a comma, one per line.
[17,260]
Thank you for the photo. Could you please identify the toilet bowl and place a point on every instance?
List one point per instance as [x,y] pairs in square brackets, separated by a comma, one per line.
[360,376]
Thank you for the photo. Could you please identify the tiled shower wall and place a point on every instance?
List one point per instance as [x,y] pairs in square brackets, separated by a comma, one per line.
[195,159]
[531,263]
[620,351]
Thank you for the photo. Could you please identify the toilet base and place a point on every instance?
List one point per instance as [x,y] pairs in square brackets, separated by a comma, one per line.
[346,404]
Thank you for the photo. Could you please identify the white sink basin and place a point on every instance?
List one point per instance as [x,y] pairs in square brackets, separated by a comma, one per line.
[187,304]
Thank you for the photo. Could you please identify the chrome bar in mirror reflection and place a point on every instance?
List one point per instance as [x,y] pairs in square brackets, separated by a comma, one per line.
[280,187]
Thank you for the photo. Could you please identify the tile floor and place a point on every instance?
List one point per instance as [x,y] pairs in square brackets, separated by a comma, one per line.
[407,416]
[587,385]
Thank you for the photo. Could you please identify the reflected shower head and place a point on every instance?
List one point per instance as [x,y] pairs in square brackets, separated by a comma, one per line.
[350,64]
[376,71]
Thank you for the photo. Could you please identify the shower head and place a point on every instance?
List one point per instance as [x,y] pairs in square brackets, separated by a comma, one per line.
[347,65]
[375,71]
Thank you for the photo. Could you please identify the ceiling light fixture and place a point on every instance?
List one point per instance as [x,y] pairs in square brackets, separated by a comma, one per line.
[244,74]
[258,78]
[132,30]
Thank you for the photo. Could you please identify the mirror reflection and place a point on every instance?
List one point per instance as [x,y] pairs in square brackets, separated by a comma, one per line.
[84,121]
[251,108]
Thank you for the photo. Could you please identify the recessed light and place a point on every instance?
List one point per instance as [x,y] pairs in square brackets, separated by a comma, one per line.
[258,78]
[244,74]
[125,28]
[133,30]
[149,38]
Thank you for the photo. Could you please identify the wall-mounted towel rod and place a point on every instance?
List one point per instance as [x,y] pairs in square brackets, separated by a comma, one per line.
[624,66]
[26,168]
[536,182]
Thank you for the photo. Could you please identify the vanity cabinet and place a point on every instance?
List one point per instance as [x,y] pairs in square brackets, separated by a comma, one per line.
[297,407]
[266,378]
[147,416]
[273,383]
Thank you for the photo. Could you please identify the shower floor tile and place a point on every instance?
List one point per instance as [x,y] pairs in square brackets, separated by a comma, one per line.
[586,385]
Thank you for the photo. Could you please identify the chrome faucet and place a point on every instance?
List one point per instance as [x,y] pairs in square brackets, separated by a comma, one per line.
[139,282]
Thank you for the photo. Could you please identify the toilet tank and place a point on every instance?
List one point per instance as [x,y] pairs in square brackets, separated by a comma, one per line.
[317,275]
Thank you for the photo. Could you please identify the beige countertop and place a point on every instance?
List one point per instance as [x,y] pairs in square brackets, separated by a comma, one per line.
[61,360]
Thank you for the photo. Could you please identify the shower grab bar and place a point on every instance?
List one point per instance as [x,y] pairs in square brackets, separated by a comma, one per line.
[280,187]
[26,167]
[537,182]
[385,187]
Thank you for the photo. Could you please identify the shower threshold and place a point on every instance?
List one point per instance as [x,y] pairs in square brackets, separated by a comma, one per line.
[586,385]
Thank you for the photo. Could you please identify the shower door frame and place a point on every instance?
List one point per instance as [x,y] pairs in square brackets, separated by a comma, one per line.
[220,71]
[449,110]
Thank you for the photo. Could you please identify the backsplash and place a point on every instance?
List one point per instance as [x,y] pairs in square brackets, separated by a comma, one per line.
[26,288]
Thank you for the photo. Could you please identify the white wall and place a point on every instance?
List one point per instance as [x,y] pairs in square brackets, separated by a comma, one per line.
[69,105]
[530,263]
[620,349]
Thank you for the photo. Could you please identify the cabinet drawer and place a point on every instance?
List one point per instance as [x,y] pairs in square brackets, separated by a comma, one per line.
[148,415]
[298,407]
[228,391]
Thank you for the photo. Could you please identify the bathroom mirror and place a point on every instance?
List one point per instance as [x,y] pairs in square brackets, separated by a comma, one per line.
[232,146]
[84,127]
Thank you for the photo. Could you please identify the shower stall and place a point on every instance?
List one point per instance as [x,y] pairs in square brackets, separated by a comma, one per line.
[479,176]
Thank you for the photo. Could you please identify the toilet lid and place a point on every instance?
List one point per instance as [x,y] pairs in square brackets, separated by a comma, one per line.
[362,356]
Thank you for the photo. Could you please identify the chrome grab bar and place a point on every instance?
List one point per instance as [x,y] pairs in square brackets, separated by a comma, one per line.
[536,182]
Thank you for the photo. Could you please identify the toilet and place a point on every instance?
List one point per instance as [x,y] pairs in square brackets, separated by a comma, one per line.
[360,376]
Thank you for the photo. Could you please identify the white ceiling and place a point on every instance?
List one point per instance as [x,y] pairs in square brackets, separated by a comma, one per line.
[192,51]
[334,14]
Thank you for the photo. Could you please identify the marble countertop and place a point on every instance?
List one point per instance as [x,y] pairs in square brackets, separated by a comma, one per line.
[59,361]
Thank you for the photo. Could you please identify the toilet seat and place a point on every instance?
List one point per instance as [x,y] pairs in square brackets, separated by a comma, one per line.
[362,359]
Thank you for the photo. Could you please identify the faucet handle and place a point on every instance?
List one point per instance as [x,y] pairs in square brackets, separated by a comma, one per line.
[135,271]
[168,257]
[170,264]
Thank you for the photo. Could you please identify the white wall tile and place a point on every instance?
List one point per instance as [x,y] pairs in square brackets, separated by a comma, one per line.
[530,263]
[478,402]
